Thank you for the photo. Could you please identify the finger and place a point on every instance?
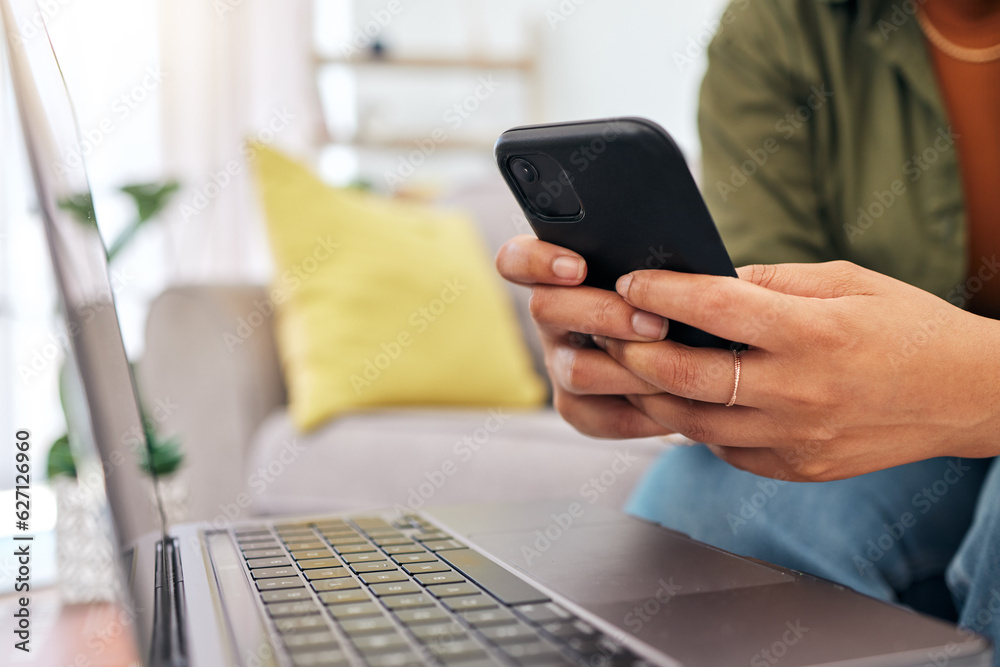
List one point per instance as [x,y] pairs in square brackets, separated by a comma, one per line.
[828,280]
[606,417]
[698,373]
[727,307]
[709,423]
[529,261]
[759,461]
[589,310]
[591,371]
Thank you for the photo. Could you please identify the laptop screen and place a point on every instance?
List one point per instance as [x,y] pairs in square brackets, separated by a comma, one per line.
[102,409]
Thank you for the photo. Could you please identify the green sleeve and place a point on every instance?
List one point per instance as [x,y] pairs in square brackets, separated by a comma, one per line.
[759,175]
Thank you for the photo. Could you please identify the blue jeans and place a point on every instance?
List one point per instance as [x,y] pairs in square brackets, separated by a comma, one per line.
[877,533]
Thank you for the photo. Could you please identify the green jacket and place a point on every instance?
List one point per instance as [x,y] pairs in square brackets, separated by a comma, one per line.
[825,137]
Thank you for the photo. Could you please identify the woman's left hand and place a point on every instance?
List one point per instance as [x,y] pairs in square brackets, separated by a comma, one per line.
[849,371]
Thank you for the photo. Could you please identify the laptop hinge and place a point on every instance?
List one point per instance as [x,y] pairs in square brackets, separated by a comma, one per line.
[169,642]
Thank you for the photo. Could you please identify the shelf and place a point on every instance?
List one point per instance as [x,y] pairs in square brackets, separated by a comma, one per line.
[521,65]
[410,143]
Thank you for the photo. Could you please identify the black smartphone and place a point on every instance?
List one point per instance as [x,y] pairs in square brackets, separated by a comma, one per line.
[618,192]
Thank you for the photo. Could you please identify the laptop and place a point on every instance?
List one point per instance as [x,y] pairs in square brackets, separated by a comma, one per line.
[543,583]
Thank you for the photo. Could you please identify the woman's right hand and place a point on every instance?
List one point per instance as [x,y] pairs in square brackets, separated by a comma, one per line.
[589,386]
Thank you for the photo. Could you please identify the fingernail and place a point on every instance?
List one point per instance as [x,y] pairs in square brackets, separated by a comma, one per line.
[648,325]
[623,284]
[568,268]
[600,341]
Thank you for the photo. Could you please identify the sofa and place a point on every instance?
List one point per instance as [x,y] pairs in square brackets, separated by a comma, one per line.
[243,457]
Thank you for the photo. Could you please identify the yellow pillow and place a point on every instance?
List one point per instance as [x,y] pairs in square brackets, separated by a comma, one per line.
[385,303]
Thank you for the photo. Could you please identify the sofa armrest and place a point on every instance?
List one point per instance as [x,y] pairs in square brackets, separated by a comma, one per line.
[210,375]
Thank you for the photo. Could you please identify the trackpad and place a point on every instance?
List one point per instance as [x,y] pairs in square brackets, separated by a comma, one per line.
[623,560]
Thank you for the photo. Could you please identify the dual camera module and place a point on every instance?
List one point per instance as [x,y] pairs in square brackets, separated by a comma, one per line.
[545,187]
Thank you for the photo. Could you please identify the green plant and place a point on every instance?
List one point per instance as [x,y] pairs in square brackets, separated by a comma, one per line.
[163,456]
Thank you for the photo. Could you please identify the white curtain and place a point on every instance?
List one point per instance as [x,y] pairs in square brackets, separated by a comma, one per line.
[234,69]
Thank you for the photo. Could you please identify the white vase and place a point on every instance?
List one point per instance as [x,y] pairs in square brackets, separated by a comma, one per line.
[85,554]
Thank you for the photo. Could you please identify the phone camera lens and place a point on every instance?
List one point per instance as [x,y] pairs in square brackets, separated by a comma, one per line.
[524,171]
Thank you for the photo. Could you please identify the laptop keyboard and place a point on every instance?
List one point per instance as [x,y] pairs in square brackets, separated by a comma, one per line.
[367,591]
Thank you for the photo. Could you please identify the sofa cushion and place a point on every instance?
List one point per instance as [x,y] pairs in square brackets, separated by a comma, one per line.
[385,303]
[413,458]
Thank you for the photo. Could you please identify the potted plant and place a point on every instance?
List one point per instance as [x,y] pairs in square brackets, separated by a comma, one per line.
[86,564]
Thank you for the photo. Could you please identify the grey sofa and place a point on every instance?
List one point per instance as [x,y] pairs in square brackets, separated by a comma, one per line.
[226,402]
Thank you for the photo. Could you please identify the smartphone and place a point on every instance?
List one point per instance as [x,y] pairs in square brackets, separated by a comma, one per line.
[618,192]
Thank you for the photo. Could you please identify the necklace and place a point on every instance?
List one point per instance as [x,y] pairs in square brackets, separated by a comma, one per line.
[950,48]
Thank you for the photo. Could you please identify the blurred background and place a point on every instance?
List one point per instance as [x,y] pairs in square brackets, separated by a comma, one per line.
[403,96]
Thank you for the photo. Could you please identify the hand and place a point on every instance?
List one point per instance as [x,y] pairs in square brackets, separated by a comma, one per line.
[588,385]
[849,371]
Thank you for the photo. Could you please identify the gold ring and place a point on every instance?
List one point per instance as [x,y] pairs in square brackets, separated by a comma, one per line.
[736,383]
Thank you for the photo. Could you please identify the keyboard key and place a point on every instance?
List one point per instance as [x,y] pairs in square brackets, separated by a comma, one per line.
[345,611]
[470,602]
[285,595]
[383,577]
[404,549]
[263,553]
[323,585]
[421,616]
[395,588]
[407,601]
[437,631]
[354,548]
[327,573]
[310,640]
[268,562]
[531,651]
[391,541]
[440,578]
[373,567]
[423,568]
[347,539]
[543,613]
[385,643]
[499,582]
[317,563]
[487,617]
[283,609]
[442,545]
[323,658]
[304,546]
[461,648]
[279,583]
[306,554]
[568,630]
[508,634]
[362,558]
[364,626]
[398,659]
[299,623]
[270,572]
[423,557]
[432,537]
[452,590]
[342,597]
